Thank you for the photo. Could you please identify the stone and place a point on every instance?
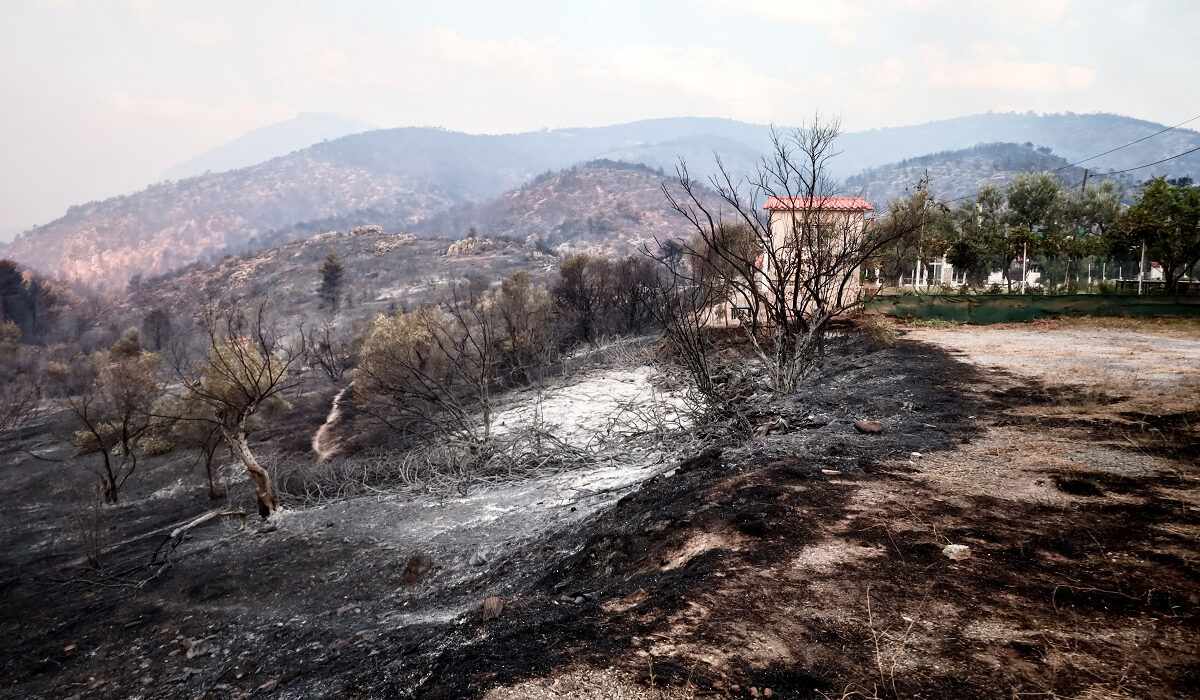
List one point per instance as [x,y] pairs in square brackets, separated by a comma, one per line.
[417,569]
[198,647]
[69,650]
[957,552]
[868,427]
[477,559]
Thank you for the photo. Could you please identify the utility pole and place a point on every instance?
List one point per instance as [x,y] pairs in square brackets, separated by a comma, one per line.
[1024,265]
[1142,266]
[1083,190]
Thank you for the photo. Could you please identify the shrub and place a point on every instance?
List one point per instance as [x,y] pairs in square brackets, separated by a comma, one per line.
[154,445]
[879,331]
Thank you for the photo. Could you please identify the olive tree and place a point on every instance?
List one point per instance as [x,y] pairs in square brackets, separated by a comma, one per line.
[247,367]
[114,412]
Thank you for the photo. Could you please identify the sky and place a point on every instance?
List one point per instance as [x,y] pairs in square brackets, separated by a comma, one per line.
[101,96]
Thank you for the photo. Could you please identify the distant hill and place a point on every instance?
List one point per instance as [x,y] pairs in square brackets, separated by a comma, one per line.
[383,271]
[602,206]
[268,142]
[411,178]
[1072,136]
[959,173]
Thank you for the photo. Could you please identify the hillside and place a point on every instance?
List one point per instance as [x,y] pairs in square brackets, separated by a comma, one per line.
[383,271]
[959,173]
[173,224]
[601,206]
[1073,136]
[404,178]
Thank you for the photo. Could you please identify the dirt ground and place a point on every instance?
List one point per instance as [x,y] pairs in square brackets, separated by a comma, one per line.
[1058,461]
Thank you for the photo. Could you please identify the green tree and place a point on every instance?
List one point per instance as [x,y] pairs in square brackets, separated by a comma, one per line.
[431,370]
[977,244]
[1035,218]
[528,325]
[1166,218]
[333,273]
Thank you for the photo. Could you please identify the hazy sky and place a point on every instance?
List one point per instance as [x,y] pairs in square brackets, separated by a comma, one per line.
[102,96]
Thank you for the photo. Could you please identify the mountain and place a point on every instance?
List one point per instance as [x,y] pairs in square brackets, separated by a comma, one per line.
[406,177]
[602,206]
[171,224]
[1073,136]
[268,142]
[959,173]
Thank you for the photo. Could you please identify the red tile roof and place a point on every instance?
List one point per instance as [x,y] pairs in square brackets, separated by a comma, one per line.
[819,203]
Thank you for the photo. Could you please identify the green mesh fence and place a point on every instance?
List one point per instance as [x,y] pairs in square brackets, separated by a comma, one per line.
[1006,308]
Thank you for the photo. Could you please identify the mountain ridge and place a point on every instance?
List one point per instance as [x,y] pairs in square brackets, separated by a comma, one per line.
[409,175]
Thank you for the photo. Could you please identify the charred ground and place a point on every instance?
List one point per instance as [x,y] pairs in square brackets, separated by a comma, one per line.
[807,561]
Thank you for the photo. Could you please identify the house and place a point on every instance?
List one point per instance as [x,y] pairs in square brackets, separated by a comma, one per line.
[828,224]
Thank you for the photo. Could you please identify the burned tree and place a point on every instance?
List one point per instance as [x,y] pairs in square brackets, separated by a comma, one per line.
[796,262]
[331,349]
[247,368]
[114,412]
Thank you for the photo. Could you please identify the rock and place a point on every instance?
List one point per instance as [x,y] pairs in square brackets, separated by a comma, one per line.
[69,650]
[754,692]
[477,559]
[813,420]
[493,606]
[345,609]
[768,693]
[708,458]
[269,686]
[868,427]
[915,455]
[198,647]
[957,552]
[579,599]
[417,569]
[830,472]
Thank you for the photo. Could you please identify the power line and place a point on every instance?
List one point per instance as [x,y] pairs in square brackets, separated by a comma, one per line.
[1115,172]
[1147,165]
[1162,131]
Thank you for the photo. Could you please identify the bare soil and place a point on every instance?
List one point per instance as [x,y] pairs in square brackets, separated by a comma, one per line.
[809,562]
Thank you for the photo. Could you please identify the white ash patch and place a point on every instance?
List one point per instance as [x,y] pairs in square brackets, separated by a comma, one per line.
[594,410]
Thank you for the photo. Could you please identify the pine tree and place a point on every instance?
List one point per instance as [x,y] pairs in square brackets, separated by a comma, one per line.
[332,274]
